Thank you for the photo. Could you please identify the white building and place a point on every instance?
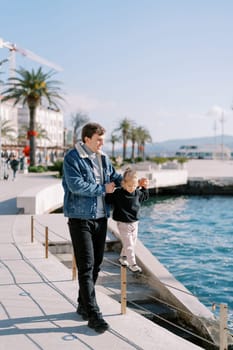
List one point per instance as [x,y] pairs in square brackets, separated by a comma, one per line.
[50,120]
[211,151]
[49,148]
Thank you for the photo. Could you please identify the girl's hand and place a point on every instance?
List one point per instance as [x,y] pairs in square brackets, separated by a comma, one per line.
[143,182]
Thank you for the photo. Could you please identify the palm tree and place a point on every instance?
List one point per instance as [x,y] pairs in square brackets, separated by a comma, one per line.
[114,138]
[1,63]
[125,127]
[133,138]
[143,136]
[33,88]
[42,133]
[23,132]
[78,120]
[7,130]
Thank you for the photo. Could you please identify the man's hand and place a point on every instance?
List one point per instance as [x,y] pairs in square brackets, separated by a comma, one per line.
[109,188]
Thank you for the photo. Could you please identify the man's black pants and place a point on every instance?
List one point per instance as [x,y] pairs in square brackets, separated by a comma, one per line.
[88,239]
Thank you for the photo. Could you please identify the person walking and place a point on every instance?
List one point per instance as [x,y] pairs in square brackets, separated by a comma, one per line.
[126,203]
[87,176]
[14,163]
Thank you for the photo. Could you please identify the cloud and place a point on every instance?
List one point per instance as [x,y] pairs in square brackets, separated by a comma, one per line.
[215,111]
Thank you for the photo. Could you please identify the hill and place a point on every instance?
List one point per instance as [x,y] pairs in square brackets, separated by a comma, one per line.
[170,147]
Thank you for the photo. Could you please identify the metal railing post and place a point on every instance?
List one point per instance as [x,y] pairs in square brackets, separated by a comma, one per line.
[123,290]
[32,229]
[223,327]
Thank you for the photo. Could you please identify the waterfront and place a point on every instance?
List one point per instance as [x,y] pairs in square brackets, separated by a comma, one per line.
[192,237]
[37,301]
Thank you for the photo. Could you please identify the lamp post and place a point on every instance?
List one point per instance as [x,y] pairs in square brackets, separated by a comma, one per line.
[1,63]
[219,113]
[215,138]
[222,120]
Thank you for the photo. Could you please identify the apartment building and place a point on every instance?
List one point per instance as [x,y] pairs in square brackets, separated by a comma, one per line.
[49,148]
[48,119]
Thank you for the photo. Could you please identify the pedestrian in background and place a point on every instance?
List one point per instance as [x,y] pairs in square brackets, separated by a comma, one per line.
[14,163]
[87,176]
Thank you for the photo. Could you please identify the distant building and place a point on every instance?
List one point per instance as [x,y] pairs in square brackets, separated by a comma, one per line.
[204,152]
[68,138]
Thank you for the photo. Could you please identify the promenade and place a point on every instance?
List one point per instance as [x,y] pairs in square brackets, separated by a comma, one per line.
[38,295]
[209,169]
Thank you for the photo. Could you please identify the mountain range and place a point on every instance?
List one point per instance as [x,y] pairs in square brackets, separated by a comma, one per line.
[170,147]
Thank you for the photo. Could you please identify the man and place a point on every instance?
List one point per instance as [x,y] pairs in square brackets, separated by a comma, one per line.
[14,163]
[88,175]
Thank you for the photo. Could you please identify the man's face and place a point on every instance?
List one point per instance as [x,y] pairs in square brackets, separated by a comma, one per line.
[95,143]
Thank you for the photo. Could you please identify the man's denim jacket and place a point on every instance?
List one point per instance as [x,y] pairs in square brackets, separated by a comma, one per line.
[79,183]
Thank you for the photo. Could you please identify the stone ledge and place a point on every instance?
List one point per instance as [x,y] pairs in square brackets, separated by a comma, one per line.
[41,200]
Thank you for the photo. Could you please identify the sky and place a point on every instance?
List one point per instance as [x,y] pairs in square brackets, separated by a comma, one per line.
[166,65]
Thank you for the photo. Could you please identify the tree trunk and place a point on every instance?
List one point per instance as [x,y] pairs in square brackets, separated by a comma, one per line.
[133,151]
[32,135]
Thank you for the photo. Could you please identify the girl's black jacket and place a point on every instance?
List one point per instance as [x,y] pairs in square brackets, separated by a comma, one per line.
[126,206]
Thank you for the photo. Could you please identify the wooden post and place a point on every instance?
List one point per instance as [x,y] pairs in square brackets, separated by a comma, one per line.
[32,229]
[46,241]
[223,327]
[74,275]
[123,290]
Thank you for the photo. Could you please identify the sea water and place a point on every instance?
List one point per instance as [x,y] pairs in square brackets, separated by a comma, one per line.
[193,238]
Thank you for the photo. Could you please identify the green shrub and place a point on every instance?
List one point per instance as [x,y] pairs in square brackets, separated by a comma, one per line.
[159,160]
[57,166]
[182,160]
[37,169]
[139,159]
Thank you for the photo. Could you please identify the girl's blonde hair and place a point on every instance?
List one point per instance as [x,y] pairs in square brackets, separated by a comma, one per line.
[129,175]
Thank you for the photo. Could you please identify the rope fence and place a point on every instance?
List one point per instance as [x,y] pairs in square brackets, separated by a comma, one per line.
[224,332]
[34,230]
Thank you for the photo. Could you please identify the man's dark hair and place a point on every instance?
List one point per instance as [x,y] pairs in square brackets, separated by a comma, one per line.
[90,129]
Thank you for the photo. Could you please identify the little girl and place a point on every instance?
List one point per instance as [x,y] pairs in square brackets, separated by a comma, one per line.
[126,203]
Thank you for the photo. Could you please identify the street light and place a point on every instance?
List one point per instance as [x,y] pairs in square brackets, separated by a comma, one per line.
[222,120]
[1,63]
[219,113]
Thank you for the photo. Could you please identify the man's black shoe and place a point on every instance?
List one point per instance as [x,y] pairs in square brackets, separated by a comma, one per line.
[82,312]
[98,324]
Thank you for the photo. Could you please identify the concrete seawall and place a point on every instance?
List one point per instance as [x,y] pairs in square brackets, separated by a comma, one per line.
[205,177]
